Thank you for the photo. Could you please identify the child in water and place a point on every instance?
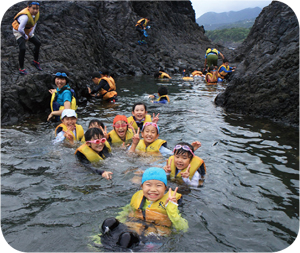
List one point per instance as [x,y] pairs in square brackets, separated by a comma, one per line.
[185,165]
[95,149]
[150,142]
[121,132]
[68,129]
[98,124]
[163,97]
[156,207]
[140,117]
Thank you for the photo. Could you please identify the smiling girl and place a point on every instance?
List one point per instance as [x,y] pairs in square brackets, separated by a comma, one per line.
[150,142]
[185,165]
[63,97]
[121,132]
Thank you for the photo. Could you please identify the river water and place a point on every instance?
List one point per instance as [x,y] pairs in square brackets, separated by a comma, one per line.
[249,202]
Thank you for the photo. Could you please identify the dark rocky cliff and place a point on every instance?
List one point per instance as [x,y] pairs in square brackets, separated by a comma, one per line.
[84,36]
[266,82]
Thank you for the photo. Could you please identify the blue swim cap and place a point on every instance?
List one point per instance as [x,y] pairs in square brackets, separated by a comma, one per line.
[154,173]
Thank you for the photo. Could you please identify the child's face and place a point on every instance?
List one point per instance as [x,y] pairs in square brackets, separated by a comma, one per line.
[182,160]
[150,134]
[96,147]
[139,112]
[60,82]
[69,122]
[153,190]
[34,9]
[121,128]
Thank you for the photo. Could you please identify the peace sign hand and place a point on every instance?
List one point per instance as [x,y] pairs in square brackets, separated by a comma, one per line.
[167,168]
[186,174]
[136,137]
[104,131]
[155,118]
[172,196]
[130,126]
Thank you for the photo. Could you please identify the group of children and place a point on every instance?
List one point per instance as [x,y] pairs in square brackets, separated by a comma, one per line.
[182,165]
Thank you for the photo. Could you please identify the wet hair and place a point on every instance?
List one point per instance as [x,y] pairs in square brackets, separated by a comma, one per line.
[93,133]
[211,68]
[225,60]
[162,90]
[156,75]
[182,151]
[96,121]
[138,103]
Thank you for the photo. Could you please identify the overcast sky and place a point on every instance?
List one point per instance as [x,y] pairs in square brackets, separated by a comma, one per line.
[203,6]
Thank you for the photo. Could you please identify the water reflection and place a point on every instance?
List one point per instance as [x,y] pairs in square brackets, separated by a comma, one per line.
[250,200]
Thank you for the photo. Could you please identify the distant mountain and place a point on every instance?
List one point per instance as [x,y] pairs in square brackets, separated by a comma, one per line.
[243,18]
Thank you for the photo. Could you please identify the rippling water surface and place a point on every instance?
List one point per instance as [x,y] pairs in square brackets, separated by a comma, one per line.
[250,200]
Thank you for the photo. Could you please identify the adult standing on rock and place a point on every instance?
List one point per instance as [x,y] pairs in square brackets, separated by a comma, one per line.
[211,57]
[106,86]
[23,29]
[141,27]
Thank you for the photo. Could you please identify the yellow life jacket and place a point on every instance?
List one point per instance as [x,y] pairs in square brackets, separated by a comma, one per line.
[196,162]
[206,78]
[164,96]
[107,94]
[73,102]
[115,137]
[152,148]
[79,132]
[135,126]
[197,73]
[188,78]
[155,213]
[30,23]
[214,51]
[140,21]
[223,74]
[163,74]
[90,154]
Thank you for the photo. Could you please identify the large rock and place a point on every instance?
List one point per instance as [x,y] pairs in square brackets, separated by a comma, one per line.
[84,36]
[266,82]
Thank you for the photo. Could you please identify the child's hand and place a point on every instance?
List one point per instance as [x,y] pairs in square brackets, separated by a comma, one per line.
[104,131]
[49,116]
[107,175]
[52,91]
[196,145]
[155,118]
[69,136]
[130,126]
[136,137]
[172,196]
[151,96]
[186,174]
[167,168]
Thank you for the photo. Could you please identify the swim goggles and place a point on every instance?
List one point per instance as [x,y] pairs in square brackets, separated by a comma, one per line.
[61,74]
[103,140]
[120,125]
[151,123]
[184,147]
[34,3]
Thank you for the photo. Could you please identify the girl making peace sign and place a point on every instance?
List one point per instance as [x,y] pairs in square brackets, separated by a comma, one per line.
[185,165]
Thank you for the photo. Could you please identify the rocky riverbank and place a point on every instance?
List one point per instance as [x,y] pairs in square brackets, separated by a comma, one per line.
[82,37]
[266,81]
